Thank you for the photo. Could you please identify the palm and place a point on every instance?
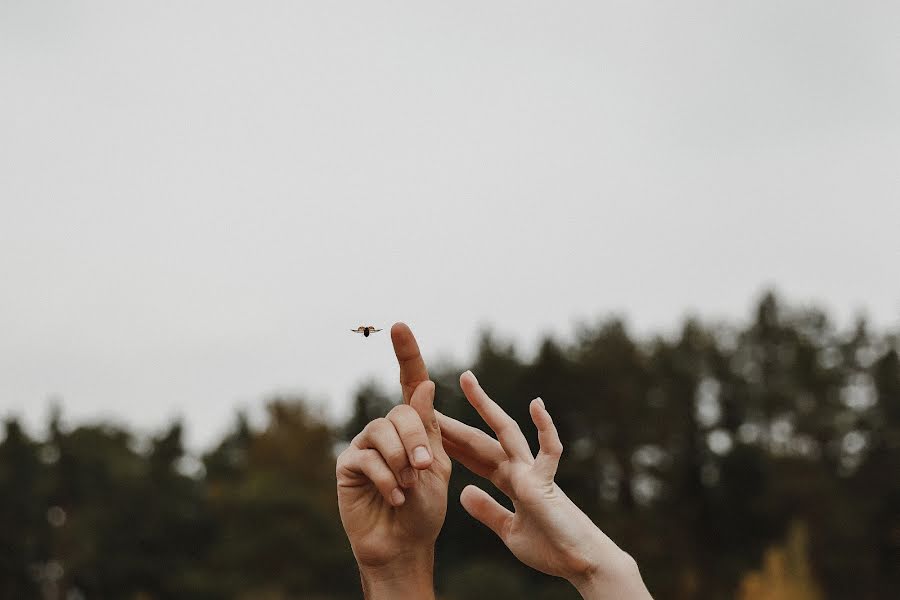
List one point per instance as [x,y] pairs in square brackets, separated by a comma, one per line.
[544,512]
[380,530]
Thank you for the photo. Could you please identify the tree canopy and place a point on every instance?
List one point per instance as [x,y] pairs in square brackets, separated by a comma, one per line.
[695,452]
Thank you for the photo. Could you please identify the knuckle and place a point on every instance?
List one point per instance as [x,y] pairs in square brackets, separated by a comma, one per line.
[510,427]
[396,457]
[376,425]
[555,448]
[344,456]
[502,478]
[341,465]
[401,413]
[410,426]
[382,478]
[367,457]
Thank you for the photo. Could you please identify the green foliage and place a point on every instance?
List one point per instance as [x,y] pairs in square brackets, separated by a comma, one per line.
[694,452]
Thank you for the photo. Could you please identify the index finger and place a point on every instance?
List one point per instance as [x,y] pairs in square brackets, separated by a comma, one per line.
[412,367]
[508,433]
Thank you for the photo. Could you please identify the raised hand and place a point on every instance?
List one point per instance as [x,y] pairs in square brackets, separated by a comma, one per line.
[392,486]
[547,531]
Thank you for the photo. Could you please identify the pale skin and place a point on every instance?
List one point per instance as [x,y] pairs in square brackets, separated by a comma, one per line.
[392,486]
[546,530]
[393,540]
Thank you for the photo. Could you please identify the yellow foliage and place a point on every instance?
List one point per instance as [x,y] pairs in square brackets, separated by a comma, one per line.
[785,573]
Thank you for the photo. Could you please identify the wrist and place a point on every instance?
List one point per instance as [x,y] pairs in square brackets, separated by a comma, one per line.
[615,578]
[409,575]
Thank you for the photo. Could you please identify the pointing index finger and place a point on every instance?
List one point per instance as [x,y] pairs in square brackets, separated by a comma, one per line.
[412,367]
[508,433]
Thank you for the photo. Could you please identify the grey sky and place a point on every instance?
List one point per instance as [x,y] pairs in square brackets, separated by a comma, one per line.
[199,200]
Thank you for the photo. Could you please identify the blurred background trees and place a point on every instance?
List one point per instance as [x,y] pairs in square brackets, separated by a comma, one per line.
[753,461]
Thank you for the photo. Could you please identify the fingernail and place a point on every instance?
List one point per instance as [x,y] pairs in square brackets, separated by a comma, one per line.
[473,375]
[541,402]
[408,476]
[397,497]
[421,455]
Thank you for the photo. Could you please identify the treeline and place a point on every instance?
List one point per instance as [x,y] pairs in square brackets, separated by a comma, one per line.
[695,452]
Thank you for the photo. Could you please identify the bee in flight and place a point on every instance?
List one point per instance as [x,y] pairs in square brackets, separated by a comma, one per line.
[365,329]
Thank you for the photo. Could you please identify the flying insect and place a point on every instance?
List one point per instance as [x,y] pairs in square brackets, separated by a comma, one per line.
[365,330]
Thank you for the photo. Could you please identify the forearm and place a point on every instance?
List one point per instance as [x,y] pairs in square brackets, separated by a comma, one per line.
[411,579]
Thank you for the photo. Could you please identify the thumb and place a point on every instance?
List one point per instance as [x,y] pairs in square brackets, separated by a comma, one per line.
[422,401]
[482,507]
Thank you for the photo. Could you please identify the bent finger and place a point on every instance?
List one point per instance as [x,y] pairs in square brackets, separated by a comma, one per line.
[381,435]
[412,434]
[547,460]
[369,464]
[422,401]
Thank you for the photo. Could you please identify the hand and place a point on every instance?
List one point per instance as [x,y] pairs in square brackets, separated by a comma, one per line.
[547,531]
[392,486]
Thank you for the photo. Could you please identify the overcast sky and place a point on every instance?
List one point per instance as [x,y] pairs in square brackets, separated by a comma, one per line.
[199,200]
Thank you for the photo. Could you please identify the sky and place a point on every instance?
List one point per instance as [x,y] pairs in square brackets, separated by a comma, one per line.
[199,200]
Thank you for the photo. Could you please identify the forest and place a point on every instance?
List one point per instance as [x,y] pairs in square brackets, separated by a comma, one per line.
[749,460]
